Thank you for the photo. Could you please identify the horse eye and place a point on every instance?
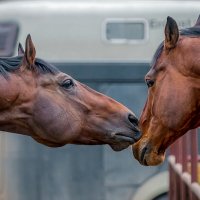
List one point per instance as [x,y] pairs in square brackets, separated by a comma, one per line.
[67,84]
[150,82]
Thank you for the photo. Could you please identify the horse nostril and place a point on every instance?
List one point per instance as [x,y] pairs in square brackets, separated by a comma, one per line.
[133,119]
[142,156]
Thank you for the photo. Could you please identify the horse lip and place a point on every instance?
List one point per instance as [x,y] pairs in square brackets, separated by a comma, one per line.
[142,156]
[136,128]
[125,137]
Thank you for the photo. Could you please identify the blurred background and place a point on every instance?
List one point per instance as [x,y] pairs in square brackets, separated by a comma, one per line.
[108,45]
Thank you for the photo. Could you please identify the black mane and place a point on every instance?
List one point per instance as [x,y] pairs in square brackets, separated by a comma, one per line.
[190,32]
[11,64]
[157,53]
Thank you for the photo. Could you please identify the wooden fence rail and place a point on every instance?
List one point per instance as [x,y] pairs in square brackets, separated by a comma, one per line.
[184,168]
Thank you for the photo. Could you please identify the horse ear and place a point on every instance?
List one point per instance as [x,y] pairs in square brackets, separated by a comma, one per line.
[20,50]
[198,21]
[30,52]
[171,33]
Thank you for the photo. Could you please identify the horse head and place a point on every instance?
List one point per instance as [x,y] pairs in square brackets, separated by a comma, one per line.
[38,100]
[173,103]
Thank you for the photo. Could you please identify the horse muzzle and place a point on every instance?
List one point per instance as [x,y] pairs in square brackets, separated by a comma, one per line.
[147,155]
[122,140]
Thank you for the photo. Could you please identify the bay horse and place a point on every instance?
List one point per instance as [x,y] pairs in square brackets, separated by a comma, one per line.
[38,100]
[173,103]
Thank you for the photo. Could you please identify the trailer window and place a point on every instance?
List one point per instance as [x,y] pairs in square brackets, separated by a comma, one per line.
[125,31]
[8,38]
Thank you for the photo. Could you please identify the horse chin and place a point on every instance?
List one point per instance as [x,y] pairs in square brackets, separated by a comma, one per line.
[120,147]
[152,159]
[147,156]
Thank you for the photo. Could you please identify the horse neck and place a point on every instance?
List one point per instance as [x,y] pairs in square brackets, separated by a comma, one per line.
[195,81]
[198,103]
[14,110]
[198,115]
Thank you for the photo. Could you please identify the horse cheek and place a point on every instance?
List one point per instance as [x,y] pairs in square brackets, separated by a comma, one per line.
[164,106]
[173,108]
[53,120]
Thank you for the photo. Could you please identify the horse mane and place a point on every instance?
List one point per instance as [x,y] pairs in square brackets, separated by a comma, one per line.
[11,64]
[190,32]
[157,53]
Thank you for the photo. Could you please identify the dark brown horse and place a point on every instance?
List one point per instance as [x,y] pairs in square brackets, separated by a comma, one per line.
[38,100]
[173,104]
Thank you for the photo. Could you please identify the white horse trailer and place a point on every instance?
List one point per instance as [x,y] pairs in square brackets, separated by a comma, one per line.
[109,45]
[97,31]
